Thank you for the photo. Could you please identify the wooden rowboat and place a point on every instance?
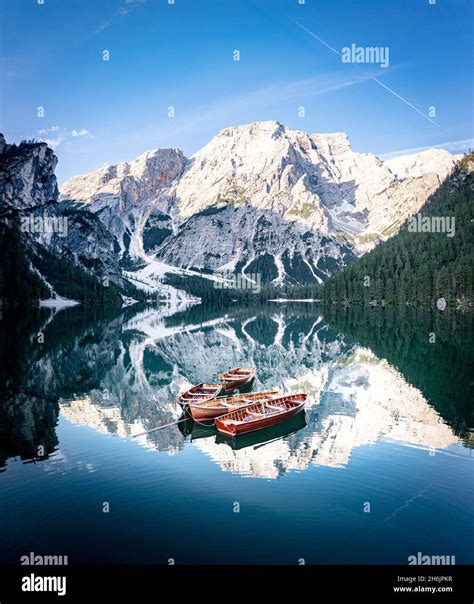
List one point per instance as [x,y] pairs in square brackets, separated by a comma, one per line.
[260,438]
[261,415]
[236,377]
[219,406]
[199,394]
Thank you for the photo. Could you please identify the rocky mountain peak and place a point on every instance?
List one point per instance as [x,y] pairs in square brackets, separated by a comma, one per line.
[3,143]
[27,178]
[305,203]
[127,183]
[270,127]
[437,161]
[334,143]
[316,180]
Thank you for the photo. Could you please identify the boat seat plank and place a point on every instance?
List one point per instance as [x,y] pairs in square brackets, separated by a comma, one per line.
[281,408]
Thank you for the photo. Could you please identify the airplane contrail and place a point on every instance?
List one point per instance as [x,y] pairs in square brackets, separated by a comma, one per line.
[376,80]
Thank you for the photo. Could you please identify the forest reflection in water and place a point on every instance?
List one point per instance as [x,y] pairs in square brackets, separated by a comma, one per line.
[369,373]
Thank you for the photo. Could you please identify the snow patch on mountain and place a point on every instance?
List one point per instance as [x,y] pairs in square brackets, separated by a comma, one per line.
[259,197]
[355,398]
[125,194]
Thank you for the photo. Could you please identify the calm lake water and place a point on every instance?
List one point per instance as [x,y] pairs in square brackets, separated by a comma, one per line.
[379,467]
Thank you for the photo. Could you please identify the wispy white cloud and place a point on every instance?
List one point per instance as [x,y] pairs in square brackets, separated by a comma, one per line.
[281,91]
[82,132]
[61,135]
[226,110]
[127,7]
[130,5]
[47,130]
[452,146]
[103,26]
[54,143]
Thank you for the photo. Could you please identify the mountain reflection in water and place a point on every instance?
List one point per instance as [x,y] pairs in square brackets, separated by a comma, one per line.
[370,375]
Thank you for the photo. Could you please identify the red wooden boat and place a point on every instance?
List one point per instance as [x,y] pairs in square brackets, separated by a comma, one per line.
[236,377]
[199,394]
[261,415]
[220,406]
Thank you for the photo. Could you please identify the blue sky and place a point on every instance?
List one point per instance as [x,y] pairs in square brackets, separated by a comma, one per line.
[181,55]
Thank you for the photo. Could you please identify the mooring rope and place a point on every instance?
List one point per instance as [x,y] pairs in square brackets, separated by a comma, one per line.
[160,427]
[202,424]
[183,419]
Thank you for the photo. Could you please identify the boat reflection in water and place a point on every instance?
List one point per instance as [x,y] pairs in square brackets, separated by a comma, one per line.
[265,436]
[197,430]
[383,422]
